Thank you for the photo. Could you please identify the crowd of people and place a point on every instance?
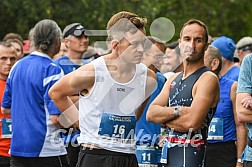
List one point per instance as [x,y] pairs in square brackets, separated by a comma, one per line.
[142,102]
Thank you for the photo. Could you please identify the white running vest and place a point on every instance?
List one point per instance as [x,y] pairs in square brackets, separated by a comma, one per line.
[107,114]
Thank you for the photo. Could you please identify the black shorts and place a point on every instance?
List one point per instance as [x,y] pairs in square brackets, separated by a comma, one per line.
[186,155]
[4,161]
[56,161]
[73,152]
[247,163]
[221,154]
[105,158]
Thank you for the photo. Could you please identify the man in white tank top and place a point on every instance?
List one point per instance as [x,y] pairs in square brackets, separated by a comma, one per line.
[113,90]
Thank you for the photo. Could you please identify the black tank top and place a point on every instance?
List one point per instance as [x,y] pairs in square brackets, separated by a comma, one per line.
[181,95]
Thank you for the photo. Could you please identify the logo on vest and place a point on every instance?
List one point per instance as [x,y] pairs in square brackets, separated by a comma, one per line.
[120,89]
[172,84]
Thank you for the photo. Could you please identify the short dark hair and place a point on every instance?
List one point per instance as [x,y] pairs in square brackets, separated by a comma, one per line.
[18,42]
[6,44]
[195,21]
[172,45]
[13,36]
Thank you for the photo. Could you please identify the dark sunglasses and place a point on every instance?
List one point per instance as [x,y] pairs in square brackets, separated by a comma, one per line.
[76,31]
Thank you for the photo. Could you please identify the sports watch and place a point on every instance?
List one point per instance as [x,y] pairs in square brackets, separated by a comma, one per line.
[239,160]
[176,111]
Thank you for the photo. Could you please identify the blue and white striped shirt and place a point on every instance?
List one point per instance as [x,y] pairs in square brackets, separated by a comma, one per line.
[26,94]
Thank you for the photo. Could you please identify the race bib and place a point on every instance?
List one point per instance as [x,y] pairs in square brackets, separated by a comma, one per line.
[147,156]
[164,153]
[6,128]
[215,130]
[115,126]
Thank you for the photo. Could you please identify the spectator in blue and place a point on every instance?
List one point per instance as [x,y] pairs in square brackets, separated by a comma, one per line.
[227,48]
[244,105]
[148,133]
[76,43]
[35,138]
[226,136]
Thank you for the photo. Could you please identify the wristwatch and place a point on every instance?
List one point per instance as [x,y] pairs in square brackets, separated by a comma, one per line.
[176,111]
[239,160]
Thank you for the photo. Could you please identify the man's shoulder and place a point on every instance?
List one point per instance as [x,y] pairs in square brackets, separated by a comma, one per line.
[52,69]
[57,61]
[235,69]
[248,57]
[247,60]
[161,77]
[225,80]
[210,74]
[208,79]
[151,73]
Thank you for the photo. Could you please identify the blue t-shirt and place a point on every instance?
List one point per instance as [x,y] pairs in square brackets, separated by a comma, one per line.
[245,86]
[145,128]
[245,78]
[26,94]
[148,133]
[233,73]
[66,64]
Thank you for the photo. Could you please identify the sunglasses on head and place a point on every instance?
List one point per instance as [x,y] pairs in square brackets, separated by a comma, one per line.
[76,31]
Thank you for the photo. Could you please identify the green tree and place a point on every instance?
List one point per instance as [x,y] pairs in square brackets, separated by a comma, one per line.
[223,17]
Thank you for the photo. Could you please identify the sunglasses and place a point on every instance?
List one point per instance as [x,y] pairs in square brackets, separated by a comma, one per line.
[77,31]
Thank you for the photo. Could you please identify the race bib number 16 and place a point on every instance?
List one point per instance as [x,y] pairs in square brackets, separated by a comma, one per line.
[117,126]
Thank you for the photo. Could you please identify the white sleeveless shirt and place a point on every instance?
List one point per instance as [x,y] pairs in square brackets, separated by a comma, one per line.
[107,114]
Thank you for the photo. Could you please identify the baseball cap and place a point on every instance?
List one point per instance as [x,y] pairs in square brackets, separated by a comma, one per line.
[244,42]
[75,29]
[226,46]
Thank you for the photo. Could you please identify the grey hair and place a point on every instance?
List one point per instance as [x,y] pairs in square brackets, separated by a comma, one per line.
[45,35]
[214,53]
